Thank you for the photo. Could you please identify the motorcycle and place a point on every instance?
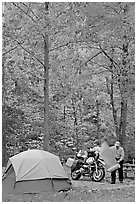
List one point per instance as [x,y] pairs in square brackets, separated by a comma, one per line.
[92,167]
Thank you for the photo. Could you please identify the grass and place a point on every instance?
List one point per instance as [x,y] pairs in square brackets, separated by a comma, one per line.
[83,190]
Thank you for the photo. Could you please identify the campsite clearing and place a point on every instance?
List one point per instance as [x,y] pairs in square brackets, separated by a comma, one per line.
[84,191]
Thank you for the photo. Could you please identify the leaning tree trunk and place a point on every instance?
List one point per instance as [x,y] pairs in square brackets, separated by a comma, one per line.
[46,88]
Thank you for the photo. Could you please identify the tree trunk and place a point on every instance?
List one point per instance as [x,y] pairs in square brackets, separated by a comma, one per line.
[98,125]
[122,128]
[64,118]
[110,90]
[46,89]
[125,67]
[4,151]
[76,126]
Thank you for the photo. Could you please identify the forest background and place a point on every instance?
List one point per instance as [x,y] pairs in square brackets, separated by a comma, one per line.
[68,76]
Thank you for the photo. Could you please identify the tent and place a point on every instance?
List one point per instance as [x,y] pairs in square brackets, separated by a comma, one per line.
[108,155]
[34,171]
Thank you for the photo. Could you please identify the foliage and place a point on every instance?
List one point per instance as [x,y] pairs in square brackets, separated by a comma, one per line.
[88,60]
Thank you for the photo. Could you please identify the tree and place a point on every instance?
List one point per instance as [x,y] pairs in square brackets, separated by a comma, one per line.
[27,11]
[76,51]
[112,30]
[46,85]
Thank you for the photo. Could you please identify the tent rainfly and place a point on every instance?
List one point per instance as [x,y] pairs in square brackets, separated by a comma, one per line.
[34,171]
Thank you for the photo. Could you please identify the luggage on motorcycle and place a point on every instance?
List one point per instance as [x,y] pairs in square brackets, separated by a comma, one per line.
[69,162]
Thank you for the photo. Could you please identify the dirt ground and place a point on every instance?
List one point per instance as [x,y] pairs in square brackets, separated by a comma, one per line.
[84,190]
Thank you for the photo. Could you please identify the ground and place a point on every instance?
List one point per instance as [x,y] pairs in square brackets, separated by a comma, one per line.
[84,190]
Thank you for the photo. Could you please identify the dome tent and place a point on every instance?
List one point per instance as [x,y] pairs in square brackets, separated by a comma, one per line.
[34,171]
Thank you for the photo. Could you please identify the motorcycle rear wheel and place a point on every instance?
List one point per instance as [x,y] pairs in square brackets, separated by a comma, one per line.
[98,175]
[75,175]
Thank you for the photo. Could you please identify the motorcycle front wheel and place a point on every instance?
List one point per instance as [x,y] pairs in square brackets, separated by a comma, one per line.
[98,175]
[75,175]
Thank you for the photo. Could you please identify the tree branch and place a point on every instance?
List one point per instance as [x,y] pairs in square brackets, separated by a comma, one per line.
[23,11]
[30,10]
[80,41]
[27,51]
[105,67]
[9,50]
[110,58]
[39,31]
[92,57]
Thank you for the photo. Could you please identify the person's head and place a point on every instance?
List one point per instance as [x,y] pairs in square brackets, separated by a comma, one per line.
[117,144]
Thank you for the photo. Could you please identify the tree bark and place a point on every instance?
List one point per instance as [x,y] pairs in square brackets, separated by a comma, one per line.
[98,125]
[64,118]
[110,89]
[125,66]
[4,151]
[46,89]
[76,126]
[122,126]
